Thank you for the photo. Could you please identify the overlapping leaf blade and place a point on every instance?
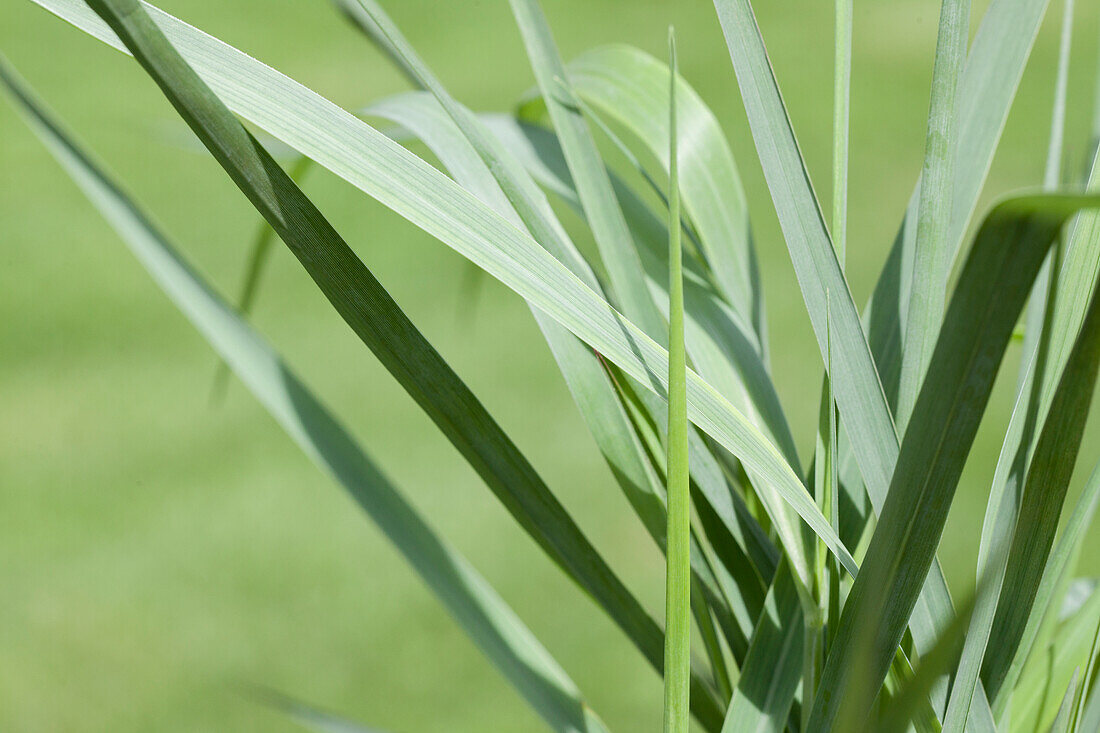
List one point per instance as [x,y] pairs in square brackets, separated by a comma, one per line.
[863,408]
[1040,690]
[993,287]
[933,252]
[365,158]
[627,85]
[1011,525]
[377,320]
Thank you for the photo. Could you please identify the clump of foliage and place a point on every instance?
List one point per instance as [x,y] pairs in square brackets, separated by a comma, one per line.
[815,594]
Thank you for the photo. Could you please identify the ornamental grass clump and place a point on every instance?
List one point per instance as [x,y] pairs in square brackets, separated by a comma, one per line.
[809,584]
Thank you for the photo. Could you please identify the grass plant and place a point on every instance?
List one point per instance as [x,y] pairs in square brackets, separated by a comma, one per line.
[808,587]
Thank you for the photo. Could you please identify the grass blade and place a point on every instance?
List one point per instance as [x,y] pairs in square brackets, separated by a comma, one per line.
[987,87]
[859,395]
[1065,711]
[996,279]
[1038,695]
[1075,285]
[1043,293]
[1087,676]
[932,250]
[904,707]
[477,608]
[601,208]
[773,667]
[677,583]
[1056,577]
[258,255]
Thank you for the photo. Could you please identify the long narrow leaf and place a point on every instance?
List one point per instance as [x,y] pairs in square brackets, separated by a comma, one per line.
[601,208]
[677,585]
[1065,711]
[1039,693]
[773,667]
[1056,578]
[1074,285]
[994,66]
[932,250]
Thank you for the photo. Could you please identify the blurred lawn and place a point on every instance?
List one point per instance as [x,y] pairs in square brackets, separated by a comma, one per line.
[157,554]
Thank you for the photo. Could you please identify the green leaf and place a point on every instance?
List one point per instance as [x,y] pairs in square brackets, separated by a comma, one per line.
[992,289]
[1055,580]
[1037,697]
[1065,710]
[379,322]
[905,706]
[859,395]
[593,184]
[677,576]
[933,252]
[490,623]
[1012,481]
[1079,704]
[773,668]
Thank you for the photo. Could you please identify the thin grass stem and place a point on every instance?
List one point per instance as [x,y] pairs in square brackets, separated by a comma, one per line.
[678,577]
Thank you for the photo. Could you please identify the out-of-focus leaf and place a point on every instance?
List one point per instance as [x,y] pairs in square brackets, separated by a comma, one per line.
[1039,693]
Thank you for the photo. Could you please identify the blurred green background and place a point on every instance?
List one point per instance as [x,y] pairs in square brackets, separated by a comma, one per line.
[158,554]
